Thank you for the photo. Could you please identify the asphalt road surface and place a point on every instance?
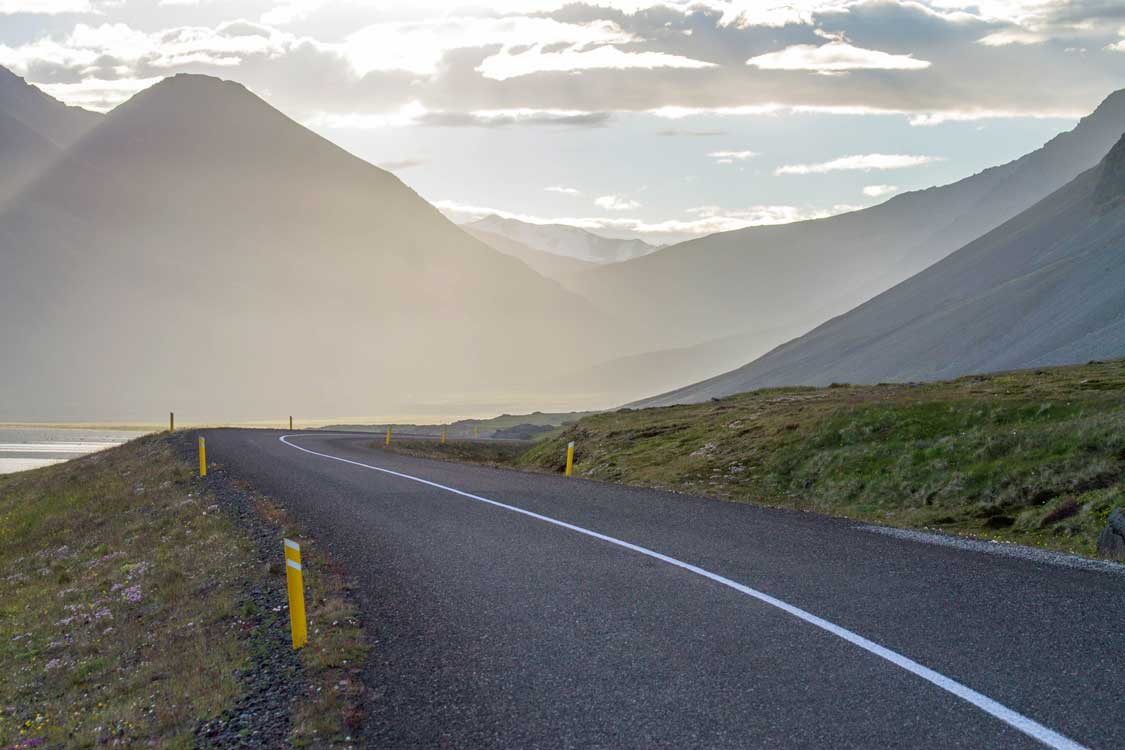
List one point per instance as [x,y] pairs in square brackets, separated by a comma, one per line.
[515,610]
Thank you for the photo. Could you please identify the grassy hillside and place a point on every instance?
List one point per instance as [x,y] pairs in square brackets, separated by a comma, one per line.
[1036,457]
[138,613]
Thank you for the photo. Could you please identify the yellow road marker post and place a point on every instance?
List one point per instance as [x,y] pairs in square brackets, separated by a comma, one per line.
[388,436]
[171,421]
[569,458]
[202,457]
[443,437]
[474,432]
[291,423]
[295,582]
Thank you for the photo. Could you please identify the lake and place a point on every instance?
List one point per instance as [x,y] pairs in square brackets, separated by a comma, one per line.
[23,448]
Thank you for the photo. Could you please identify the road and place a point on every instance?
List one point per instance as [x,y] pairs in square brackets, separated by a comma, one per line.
[514,610]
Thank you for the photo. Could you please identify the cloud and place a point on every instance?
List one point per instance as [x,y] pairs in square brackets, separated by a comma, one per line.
[415,113]
[616,203]
[498,118]
[834,57]
[395,166]
[859,162]
[1012,36]
[95,93]
[419,47]
[878,191]
[729,157]
[690,132]
[563,190]
[507,65]
[703,220]
[45,7]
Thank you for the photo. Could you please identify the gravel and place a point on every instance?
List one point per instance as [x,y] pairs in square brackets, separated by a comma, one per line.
[274,680]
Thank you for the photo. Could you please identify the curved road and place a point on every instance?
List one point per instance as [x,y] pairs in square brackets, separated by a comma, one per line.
[517,610]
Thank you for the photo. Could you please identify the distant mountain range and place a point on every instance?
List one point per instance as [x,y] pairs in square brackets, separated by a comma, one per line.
[197,250]
[1045,288]
[799,275]
[561,268]
[567,241]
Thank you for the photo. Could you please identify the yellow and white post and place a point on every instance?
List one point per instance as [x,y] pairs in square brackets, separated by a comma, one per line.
[290,423]
[202,457]
[443,437]
[171,421]
[296,584]
[570,458]
[388,436]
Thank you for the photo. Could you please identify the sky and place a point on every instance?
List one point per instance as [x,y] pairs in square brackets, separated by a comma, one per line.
[635,118]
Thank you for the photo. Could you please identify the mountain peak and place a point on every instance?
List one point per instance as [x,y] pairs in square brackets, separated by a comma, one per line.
[1110,191]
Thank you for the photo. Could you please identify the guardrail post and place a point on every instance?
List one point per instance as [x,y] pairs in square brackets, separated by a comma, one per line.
[295,582]
[171,421]
[570,458]
[290,423]
[202,457]
[388,436]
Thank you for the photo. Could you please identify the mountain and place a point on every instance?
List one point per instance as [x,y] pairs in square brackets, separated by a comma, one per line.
[557,267]
[34,129]
[197,250]
[1045,288]
[804,273]
[567,241]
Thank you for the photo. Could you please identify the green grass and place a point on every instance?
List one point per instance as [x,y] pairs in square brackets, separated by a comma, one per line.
[119,590]
[486,452]
[1036,457]
[123,619]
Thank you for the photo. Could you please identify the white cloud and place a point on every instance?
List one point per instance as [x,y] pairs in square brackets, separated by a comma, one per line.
[510,64]
[1012,36]
[834,57]
[563,190]
[415,113]
[97,94]
[878,191]
[859,162]
[729,157]
[419,47]
[45,7]
[616,203]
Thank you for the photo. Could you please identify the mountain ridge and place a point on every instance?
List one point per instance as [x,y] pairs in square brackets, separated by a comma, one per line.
[199,247]
[1044,288]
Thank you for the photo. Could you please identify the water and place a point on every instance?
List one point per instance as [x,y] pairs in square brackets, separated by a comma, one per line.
[23,448]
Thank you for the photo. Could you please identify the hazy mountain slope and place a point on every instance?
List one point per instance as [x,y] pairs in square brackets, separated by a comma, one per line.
[557,267]
[767,276]
[1047,287]
[199,251]
[34,128]
[560,239]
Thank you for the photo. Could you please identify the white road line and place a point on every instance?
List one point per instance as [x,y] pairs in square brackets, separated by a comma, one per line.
[1030,727]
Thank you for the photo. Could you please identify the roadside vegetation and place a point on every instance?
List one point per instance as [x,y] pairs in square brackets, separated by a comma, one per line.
[1036,456]
[127,618]
[507,426]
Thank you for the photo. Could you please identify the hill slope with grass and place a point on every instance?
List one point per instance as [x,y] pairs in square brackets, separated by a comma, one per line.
[1045,288]
[1036,456]
[138,611]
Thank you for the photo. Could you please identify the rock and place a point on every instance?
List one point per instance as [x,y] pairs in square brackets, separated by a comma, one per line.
[1111,542]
